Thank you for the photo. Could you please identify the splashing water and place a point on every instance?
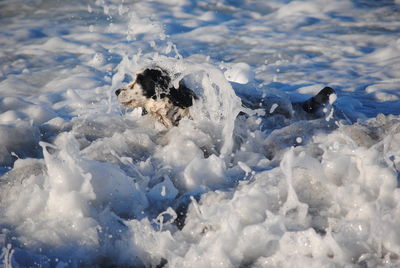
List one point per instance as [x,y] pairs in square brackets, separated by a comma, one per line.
[249,181]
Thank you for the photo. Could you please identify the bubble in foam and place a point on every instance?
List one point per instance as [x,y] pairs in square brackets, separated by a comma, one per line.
[97,60]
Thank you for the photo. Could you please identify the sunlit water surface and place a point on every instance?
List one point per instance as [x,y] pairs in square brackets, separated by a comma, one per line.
[86,183]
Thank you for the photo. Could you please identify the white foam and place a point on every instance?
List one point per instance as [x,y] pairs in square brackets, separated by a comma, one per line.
[273,108]
[240,73]
[85,182]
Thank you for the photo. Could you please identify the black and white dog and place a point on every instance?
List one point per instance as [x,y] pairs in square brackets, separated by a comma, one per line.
[153,91]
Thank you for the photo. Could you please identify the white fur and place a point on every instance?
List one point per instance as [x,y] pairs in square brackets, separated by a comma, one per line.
[131,96]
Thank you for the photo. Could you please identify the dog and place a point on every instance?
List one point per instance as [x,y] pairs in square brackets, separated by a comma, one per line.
[153,92]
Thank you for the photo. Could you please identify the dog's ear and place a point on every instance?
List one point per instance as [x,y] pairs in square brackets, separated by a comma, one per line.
[153,82]
[183,96]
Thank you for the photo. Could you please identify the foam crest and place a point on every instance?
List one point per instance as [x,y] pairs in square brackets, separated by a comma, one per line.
[250,180]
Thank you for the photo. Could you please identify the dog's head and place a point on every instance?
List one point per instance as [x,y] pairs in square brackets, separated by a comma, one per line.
[154,83]
[151,83]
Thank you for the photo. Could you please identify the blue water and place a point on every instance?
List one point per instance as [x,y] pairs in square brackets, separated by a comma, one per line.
[87,183]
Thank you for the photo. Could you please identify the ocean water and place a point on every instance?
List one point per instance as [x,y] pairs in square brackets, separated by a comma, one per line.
[87,183]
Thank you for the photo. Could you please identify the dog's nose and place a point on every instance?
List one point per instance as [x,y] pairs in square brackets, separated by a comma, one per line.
[117,92]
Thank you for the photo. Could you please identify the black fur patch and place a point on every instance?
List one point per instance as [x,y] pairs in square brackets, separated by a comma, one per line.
[153,81]
[156,84]
[315,103]
[183,96]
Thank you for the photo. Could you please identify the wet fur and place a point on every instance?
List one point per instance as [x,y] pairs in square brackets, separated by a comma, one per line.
[152,90]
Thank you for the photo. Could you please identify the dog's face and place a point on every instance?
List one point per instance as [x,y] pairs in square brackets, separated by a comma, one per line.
[131,95]
[149,84]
